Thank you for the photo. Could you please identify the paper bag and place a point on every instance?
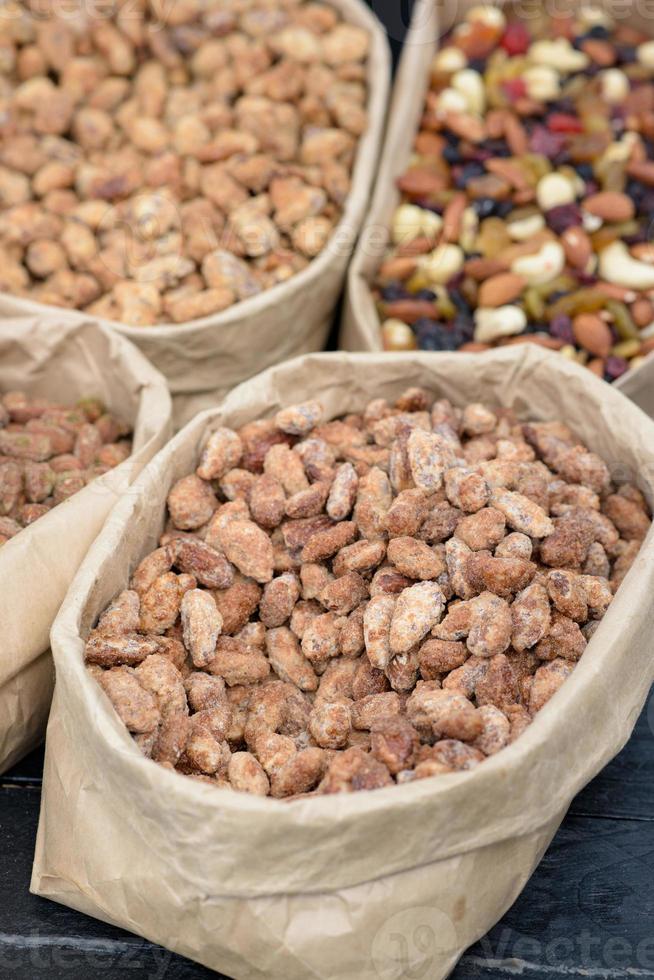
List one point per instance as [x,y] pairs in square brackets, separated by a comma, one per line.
[63,360]
[369,884]
[204,359]
[431,19]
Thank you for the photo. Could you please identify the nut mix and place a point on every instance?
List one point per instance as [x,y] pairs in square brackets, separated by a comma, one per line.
[162,165]
[527,204]
[347,604]
[48,452]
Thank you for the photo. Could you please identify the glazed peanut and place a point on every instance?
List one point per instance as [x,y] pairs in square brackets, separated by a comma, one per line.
[314,623]
[159,167]
[48,452]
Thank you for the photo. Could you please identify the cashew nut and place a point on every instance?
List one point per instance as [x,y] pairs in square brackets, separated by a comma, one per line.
[554,190]
[614,85]
[470,85]
[397,335]
[443,263]
[410,221]
[469,228]
[491,323]
[450,59]
[645,54]
[545,265]
[595,17]
[618,266]
[542,83]
[451,101]
[522,229]
[558,54]
[487,14]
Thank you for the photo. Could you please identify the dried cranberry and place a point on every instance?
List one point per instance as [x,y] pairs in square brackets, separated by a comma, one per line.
[562,217]
[516,38]
[561,327]
[614,367]
[560,122]
[546,143]
[514,88]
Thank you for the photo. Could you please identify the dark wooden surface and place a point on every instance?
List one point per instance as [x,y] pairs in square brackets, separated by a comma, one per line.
[588,911]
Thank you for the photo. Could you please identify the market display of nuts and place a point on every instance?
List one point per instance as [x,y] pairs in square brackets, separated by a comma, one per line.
[525,211]
[50,451]
[351,604]
[160,163]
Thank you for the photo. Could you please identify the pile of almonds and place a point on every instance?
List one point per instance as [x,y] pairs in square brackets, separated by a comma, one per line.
[344,605]
[526,207]
[48,452]
[161,162]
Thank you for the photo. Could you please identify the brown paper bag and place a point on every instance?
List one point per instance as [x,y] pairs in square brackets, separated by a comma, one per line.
[204,359]
[63,360]
[334,887]
[430,20]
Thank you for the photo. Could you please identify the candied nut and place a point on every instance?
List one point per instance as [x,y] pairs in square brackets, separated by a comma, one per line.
[374,498]
[498,685]
[438,657]
[267,501]
[362,557]
[522,514]
[406,513]
[330,724]
[237,603]
[343,492]
[203,562]
[377,620]
[221,453]
[568,594]
[366,710]
[237,663]
[248,548]
[490,625]
[344,594]
[286,466]
[122,615]
[288,661]
[466,489]
[564,639]
[630,519]
[307,503]
[429,455]
[202,624]
[124,648]
[160,604]
[457,556]
[191,503]
[417,610]
[135,706]
[299,420]
[530,613]
[496,731]
[279,599]
[354,770]
[394,742]
[320,641]
[514,545]
[414,558]
[483,530]
[547,680]
[246,775]
[445,714]
[323,544]
[503,576]
[300,774]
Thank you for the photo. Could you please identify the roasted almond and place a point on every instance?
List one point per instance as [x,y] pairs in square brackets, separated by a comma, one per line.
[500,289]
[593,334]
